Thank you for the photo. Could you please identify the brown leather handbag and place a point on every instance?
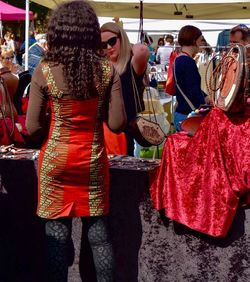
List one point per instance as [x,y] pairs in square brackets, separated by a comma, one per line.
[8,131]
[146,131]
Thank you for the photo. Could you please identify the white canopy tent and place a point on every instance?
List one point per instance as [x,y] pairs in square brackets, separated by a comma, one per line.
[176,13]
[168,9]
[157,28]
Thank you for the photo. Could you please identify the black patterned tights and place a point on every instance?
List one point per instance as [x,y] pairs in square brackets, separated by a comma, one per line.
[95,246]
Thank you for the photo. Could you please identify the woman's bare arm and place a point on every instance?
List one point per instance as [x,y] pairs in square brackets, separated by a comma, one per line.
[117,118]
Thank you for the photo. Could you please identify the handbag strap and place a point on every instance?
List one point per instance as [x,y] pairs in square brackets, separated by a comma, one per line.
[182,93]
[149,99]
[135,91]
[137,97]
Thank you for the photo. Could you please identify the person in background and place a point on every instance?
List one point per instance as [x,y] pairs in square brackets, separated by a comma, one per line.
[11,81]
[222,40]
[202,59]
[36,53]
[160,42]
[11,73]
[83,91]
[130,61]
[205,48]
[9,41]
[239,34]
[163,52]
[19,54]
[148,42]
[186,73]
[7,57]
[2,43]
[32,40]
[9,125]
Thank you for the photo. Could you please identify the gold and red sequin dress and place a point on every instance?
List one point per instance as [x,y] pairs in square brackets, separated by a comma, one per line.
[73,166]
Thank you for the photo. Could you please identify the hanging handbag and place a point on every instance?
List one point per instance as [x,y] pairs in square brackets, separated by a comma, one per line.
[8,131]
[146,131]
[170,84]
[192,123]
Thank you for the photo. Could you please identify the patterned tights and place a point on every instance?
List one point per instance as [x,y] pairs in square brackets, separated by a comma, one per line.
[95,246]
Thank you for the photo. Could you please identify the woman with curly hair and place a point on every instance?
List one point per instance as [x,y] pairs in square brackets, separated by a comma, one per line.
[131,63]
[81,90]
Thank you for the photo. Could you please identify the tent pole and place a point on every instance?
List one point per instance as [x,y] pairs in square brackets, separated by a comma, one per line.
[27,19]
[1,29]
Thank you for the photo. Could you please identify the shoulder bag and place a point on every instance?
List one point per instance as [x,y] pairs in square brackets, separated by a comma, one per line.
[8,131]
[146,131]
[191,124]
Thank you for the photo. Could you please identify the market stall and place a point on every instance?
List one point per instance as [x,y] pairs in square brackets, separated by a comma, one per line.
[148,247]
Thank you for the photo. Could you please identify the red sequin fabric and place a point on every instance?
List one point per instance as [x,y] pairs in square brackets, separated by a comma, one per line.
[203,179]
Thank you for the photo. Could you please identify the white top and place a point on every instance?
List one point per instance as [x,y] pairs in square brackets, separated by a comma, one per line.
[10,44]
[163,54]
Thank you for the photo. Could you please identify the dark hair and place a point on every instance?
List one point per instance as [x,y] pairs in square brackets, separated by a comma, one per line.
[148,39]
[74,39]
[169,36]
[243,29]
[161,39]
[188,34]
[206,46]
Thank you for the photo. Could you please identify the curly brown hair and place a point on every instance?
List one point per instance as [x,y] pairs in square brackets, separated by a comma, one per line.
[74,40]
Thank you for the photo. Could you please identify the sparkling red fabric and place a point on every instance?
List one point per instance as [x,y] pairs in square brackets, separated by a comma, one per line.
[202,178]
[5,138]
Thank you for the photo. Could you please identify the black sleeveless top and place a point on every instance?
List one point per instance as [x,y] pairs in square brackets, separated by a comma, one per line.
[128,93]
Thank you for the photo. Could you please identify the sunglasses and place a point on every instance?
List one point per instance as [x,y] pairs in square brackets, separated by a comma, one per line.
[8,58]
[111,42]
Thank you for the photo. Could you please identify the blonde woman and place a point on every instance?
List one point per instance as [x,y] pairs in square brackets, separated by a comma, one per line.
[7,58]
[129,61]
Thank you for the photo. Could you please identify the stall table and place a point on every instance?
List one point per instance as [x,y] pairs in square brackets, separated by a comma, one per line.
[147,247]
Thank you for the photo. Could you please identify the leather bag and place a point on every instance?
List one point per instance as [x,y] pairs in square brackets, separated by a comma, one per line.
[146,131]
[8,131]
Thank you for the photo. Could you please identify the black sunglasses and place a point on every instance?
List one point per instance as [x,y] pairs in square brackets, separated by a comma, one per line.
[8,58]
[111,42]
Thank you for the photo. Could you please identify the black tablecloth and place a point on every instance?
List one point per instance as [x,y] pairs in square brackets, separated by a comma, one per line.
[170,252]
[21,231]
[147,247]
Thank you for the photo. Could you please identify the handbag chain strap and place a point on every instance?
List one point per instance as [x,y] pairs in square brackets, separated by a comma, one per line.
[182,93]
[5,98]
[137,97]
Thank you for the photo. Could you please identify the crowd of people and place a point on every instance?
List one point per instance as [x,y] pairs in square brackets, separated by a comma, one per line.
[160,53]
[82,76]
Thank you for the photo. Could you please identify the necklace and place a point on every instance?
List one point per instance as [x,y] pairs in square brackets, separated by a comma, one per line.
[186,53]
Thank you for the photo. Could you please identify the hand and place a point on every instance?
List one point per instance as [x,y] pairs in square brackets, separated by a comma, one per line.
[208,100]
